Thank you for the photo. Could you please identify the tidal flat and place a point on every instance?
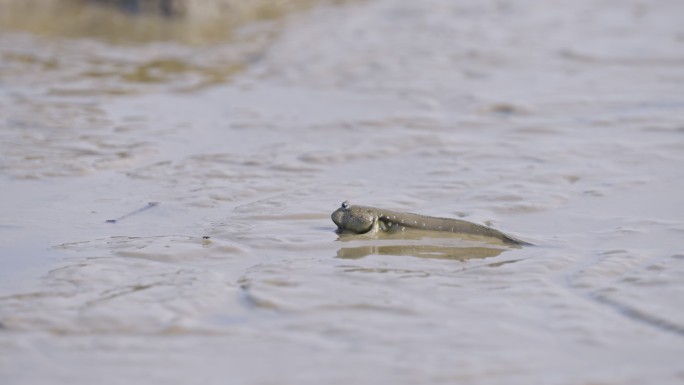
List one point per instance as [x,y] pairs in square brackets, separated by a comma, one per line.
[167,182]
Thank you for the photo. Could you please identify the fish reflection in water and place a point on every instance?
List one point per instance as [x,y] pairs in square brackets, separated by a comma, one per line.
[422,244]
[420,251]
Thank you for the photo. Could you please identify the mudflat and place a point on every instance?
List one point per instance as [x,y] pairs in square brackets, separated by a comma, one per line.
[560,124]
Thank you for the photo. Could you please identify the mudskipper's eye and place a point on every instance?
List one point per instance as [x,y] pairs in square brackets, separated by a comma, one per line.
[345,204]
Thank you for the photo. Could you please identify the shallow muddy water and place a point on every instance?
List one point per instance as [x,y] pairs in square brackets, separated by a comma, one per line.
[560,124]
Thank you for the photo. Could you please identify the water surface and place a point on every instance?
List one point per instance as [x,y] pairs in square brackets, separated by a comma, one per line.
[564,127]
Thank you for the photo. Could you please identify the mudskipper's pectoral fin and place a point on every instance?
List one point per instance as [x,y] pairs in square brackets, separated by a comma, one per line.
[373,226]
[382,225]
[385,224]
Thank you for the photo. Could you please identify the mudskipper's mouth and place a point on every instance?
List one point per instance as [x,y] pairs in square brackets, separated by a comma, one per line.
[338,217]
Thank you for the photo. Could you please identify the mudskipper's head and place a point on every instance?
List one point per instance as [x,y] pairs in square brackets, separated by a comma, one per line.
[354,219]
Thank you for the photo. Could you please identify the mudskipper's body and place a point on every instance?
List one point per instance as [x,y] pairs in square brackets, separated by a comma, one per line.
[363,219]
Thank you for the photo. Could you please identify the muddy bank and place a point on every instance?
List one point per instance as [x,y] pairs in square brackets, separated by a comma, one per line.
[139,21]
